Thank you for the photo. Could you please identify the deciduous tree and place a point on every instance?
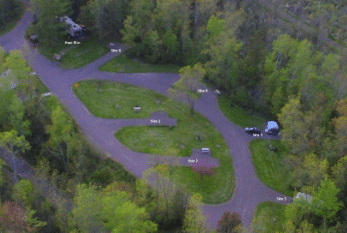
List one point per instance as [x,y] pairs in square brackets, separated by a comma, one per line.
[325,202]
[194,220]
[340,124]
[203,171]
[15,145]
[61,135]
[228,222]
[16,111]
[15,218]
[187,86]
[311,172]
[23,193]
[294,132]
[108,209]
[49,27]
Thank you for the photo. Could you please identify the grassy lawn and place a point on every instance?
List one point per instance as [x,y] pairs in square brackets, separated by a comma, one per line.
[238,115]
[11,25]
[215,189]
[269,166]
[77,56]
[268,217]
[123,64]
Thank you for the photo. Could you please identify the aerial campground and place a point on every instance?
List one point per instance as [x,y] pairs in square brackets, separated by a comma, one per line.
[173,116]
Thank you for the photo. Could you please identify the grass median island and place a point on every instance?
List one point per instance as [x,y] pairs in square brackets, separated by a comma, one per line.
[176,141]
[268,217]
[238,115]
[76,55]
[123,64]
[269,165]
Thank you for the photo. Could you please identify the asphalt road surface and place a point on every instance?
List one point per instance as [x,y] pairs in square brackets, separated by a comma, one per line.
[249,191]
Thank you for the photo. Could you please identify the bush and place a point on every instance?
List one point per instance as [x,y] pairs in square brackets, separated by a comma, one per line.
[30,31]
[103,176]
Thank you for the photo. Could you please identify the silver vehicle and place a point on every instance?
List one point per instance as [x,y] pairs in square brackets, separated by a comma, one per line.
[272,128]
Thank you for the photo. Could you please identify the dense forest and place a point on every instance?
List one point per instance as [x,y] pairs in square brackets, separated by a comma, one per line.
[329,17]
[9,10]
[259,61]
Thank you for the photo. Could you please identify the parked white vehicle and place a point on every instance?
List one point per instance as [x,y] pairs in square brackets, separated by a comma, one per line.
[47,94]
[272,128]
[75,29]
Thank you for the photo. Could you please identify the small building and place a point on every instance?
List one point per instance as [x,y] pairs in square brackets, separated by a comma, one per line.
[304,196]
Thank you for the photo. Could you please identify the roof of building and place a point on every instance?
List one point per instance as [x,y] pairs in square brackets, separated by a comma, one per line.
[304,196]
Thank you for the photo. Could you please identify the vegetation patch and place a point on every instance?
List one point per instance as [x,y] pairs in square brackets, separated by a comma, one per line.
[269,165]
[76,55]
[123,64]
[191,132]
[268,217]
[238,115]
[10,25]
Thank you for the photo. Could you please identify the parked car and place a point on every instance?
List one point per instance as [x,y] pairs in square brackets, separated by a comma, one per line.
[272,128]
[253,130]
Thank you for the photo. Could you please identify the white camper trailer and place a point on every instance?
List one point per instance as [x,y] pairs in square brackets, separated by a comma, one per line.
[75,29]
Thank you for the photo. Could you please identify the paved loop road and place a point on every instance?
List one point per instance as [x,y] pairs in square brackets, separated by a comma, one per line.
[249,192]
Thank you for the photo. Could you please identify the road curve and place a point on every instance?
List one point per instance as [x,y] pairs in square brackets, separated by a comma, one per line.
[249,192]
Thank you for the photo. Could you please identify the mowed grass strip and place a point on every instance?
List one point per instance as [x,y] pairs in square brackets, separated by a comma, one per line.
[175,141]
[238,115]
[76,55]
[123,64]
[269,165]
[268,217]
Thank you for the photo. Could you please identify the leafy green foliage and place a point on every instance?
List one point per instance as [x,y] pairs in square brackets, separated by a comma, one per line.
[61,134]
[311,171]
[23,192]
[222,67]
[187,86]
[10,10]
[229,222]
[194,220]
[49,27]
[215,26]
[324,201]
[14,144]
[108,209]
[104,17]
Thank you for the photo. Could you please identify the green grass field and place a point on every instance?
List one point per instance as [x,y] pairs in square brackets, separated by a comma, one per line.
[268,217]
[77,56]
[238,115]
[215,189]
[14,22]
[123,64]
[269,165]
